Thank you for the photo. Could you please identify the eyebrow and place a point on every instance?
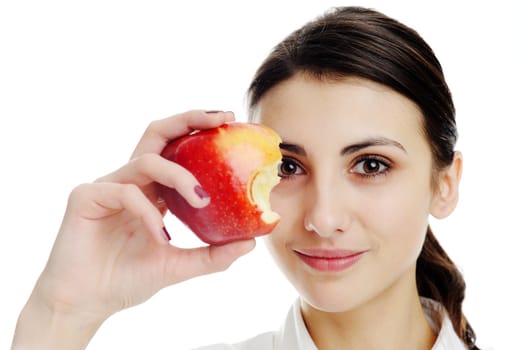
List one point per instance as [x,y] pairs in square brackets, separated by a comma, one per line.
[293,148]
[376,141]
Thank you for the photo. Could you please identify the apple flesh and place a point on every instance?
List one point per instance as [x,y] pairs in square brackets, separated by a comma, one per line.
[237,165]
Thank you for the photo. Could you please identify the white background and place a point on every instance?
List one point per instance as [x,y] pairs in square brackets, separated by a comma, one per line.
[79,82]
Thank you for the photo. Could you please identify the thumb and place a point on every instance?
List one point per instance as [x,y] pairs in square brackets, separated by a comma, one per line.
[188,263]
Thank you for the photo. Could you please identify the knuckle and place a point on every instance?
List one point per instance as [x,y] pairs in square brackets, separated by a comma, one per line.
[156,126]
[224,266]
[101,179]
[129,190]
[216,262]
[145,162]
[78,192]
[153,127]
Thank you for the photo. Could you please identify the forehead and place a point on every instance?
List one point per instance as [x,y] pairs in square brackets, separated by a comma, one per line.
[304,109]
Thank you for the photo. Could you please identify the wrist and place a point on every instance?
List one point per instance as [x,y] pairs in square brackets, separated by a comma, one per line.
[44,326]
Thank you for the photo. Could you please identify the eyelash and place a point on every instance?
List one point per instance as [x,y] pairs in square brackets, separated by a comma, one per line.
[384,164]
[290,161]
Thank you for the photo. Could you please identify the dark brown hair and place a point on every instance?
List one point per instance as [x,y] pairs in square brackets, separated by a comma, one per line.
[359,42]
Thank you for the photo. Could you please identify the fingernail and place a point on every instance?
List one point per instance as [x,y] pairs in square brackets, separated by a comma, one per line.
[166,234]
[212,112]
[201,192]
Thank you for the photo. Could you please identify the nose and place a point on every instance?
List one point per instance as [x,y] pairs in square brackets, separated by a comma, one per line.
[327,208]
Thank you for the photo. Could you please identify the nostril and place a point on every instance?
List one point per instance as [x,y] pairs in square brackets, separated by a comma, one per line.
[310,227]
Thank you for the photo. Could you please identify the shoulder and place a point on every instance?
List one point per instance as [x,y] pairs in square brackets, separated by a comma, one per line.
[261,341]
[292,335]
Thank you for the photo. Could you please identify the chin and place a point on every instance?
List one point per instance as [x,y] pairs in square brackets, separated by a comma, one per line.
[333,301]
[330,293]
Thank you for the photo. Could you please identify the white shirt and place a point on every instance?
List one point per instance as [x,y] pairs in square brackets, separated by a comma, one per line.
[293,335]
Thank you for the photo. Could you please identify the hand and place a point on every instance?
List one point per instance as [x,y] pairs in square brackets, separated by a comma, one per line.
[112,251]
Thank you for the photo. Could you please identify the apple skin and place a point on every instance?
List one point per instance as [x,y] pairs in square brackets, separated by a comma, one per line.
[236,164]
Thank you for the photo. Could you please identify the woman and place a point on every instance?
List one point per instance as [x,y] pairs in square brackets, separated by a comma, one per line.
[368,130]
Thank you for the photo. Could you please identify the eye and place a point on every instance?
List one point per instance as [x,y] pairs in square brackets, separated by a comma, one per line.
[289,167]
[370,166]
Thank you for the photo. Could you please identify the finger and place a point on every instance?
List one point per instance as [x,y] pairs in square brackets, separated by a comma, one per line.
[149,168]
[183,264]
[98,201]
[162,131]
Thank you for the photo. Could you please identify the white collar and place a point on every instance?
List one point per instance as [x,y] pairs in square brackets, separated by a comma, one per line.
[439,321]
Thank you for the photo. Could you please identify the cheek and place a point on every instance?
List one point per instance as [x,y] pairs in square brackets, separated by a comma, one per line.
[286,205]
[400,213]
[276,244]
[398,220]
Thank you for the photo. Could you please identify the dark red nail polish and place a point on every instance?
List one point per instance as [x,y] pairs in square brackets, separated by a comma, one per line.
[166,234]
[201,192]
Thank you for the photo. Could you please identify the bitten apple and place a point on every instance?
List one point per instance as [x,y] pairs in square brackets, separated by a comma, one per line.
[237,165]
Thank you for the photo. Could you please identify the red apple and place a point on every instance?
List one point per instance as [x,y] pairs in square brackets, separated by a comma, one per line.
[237,165]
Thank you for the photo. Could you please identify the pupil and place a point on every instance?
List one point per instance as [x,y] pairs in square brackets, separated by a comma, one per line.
[371,166]
[288,168]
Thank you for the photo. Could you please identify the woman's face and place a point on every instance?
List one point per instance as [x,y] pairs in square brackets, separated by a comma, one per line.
[356,188]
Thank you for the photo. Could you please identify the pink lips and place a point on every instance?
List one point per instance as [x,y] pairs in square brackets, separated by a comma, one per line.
[329,260]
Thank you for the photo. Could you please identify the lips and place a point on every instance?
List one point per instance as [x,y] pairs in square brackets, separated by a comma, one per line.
[329,260]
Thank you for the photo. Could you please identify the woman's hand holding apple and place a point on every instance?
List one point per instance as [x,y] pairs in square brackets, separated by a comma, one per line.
[112,251]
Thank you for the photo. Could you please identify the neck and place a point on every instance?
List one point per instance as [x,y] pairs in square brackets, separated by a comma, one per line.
[394,319]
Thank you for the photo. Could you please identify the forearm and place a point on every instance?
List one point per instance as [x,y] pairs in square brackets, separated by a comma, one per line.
[40,326]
